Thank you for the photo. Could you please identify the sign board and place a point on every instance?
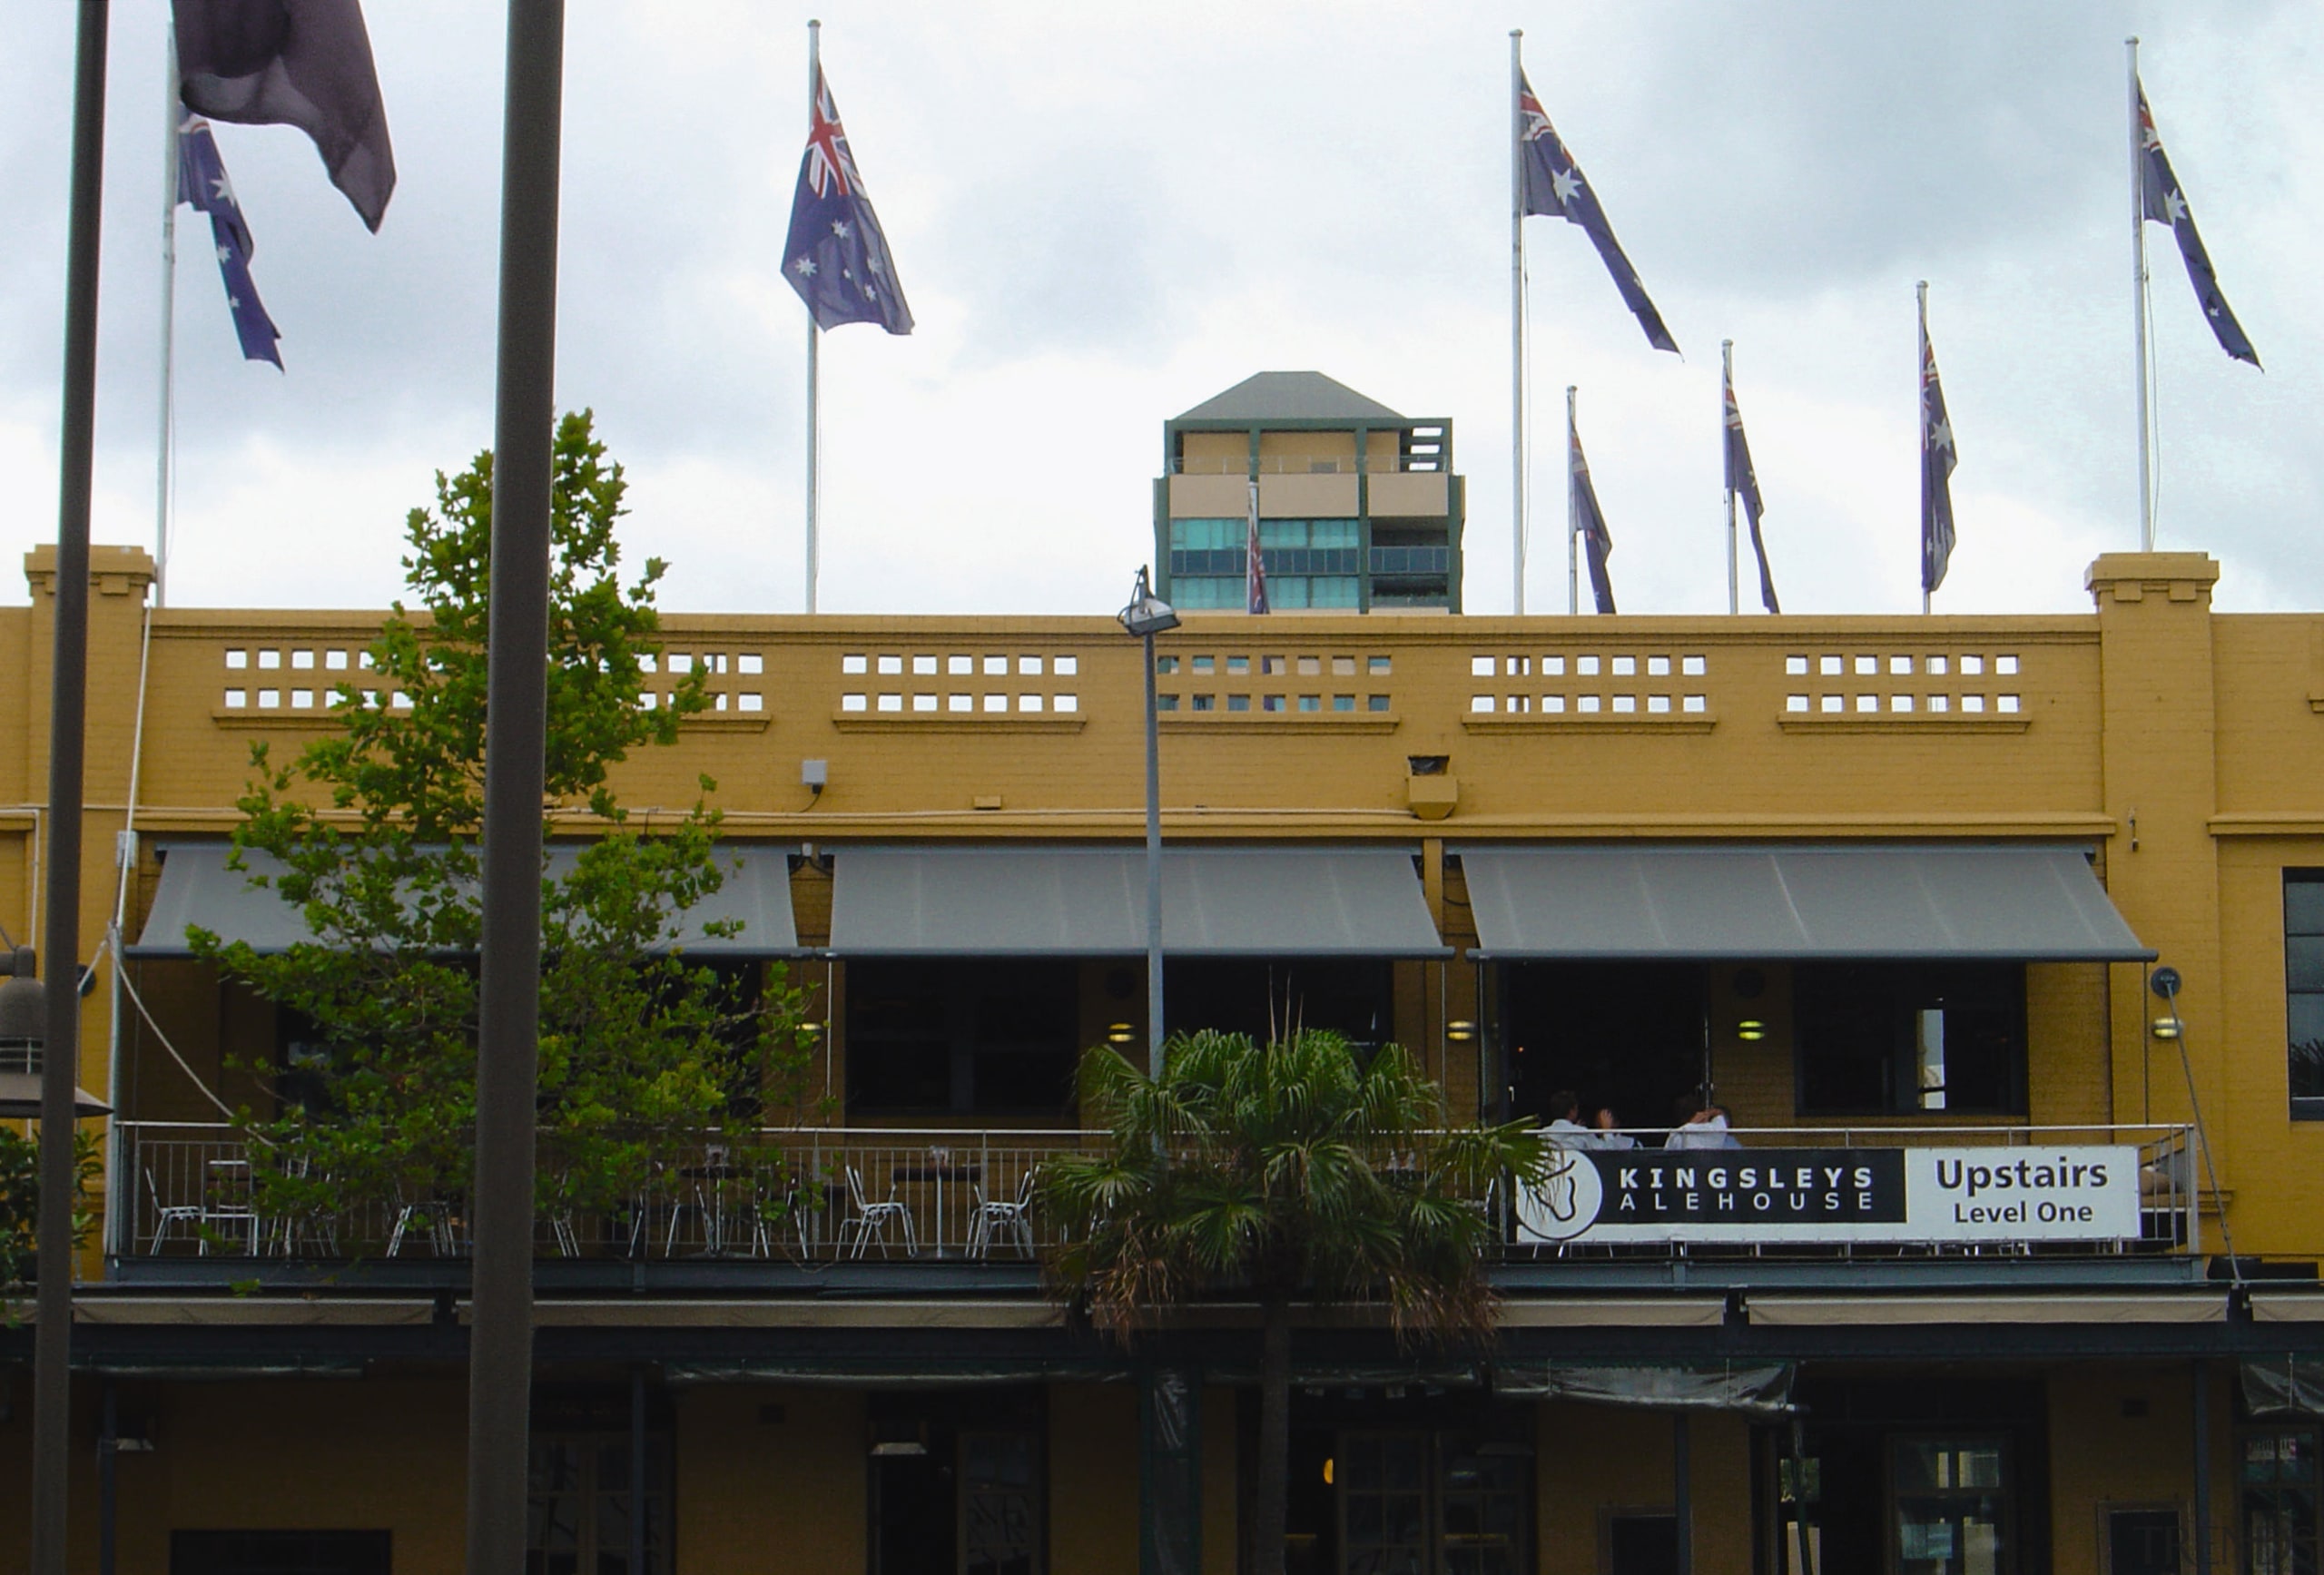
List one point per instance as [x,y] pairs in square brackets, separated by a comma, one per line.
[1746,1195]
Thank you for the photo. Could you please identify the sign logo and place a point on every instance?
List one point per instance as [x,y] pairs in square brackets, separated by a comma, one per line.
[1567,1201]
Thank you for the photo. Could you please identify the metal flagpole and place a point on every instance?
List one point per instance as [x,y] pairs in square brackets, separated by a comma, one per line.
[1516,320]
[1573,519]
[1920,406]
[814,79]
[60,941]
[173,108]
[1726,465]
[500,1339]
[2138,301]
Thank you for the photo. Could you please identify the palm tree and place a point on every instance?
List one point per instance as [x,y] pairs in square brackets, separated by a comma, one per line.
[1283,1173]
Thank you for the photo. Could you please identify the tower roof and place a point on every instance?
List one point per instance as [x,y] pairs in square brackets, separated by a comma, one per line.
[1290,397]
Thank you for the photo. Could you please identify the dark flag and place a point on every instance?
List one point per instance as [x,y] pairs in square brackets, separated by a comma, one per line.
[2161,203]
[1937,460]
[201,180]
[272,62]
[1743,482]
[1589,524]
[1254,565]
[836,257]
[1551,184]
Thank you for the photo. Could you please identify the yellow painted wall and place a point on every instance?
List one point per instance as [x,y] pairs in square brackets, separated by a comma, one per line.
[1597,1460]
[768,1497]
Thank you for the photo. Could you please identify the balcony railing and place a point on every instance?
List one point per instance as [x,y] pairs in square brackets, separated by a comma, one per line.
[826,1195]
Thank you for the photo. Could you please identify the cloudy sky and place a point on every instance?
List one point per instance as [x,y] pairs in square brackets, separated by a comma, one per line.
[1104,214]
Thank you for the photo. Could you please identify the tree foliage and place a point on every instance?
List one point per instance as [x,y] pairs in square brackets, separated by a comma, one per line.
[20,1205]
[1287,1172]
[372,832]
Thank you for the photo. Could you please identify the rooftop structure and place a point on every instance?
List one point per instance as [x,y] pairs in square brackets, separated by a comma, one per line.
[1358,507]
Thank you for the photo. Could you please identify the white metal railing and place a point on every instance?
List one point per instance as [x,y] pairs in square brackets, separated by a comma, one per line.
[825,1195]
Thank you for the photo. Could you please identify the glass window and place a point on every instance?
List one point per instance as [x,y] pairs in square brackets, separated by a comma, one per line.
[1952,1507]
[972,1037]
[579,1505]
[1910,1039]
[1383,1501]
[2277,1490]
[2304,991]
[1001,1503]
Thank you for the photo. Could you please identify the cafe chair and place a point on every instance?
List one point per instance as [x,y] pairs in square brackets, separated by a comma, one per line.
[1008,1218]
[868,1219]
[167,1216]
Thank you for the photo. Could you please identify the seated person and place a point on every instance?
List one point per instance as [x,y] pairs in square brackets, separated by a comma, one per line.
[1607,1132]
[1700,1125]
[1565,1130]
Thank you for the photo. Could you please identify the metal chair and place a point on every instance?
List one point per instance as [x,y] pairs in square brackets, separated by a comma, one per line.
[229,1201]
[167,1215]
[433,1215]
[1008,1218]
[869,1218]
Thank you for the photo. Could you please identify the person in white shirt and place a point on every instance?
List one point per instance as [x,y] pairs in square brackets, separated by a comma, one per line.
[1701,1127]
[1607,1132]
[1565,1130]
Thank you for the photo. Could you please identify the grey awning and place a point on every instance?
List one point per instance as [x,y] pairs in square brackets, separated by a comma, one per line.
[197,888]
[1091,901]
[1964,902]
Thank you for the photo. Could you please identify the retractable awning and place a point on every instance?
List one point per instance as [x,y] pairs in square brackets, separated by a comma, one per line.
[198,888]
[1983,901]
[1009,901]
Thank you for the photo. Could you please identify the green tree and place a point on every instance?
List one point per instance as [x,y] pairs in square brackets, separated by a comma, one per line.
[20,1207]
[1287,1172]
[372,832]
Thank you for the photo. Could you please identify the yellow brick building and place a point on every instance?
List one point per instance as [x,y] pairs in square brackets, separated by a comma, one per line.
[1885,889]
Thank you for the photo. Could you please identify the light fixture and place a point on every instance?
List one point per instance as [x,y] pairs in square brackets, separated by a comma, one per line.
[894,1449]
[1460,1030]
[2164,982]
[1752,1030]
[1121,1034]
[1147,615]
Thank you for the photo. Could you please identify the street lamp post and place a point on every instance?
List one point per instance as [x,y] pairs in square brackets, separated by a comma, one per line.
[1148,616]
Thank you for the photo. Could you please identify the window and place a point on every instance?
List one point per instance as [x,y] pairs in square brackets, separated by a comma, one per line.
[281,1552]
[579,1502]
[965,1037]
[2276,1490]
[1952,1507]
[1001,1503]
[1351,996]
[2304,990]
[1910,1039]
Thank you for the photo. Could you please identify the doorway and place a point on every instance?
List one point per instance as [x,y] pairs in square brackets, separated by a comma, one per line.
[1628,1036]
[957,1485]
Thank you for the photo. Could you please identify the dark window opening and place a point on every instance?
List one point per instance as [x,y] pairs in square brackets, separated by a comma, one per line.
[2304,991]
[957,1485]
[2277,1490]
[963,1038]
[1396,1479]
[1267,998]
[1910,1039]
[281,1553]
[1626,1036]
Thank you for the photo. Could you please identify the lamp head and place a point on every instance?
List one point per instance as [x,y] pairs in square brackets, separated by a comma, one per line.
[1147,615]
[24,1001]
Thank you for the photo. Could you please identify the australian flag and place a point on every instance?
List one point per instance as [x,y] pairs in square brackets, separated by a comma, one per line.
[201,180]
[1937,460]
[2161,203]
[1589,524]
[836,257]
[1743,482]
[1551,183]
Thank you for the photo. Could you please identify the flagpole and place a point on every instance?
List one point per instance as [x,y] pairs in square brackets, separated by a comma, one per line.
[1727,392]
[1517,319]
[814,76]
[2138,304]
[1920,401]
[1572,537]
[173,111]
